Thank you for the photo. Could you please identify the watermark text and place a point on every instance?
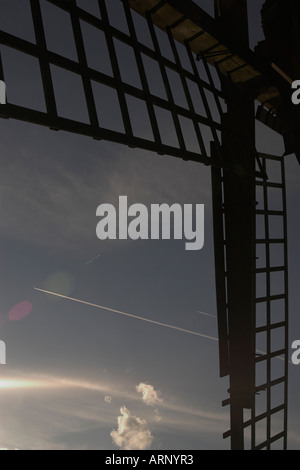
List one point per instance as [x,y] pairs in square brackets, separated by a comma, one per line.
[2,353]
[2,92]
[137,223]
[296,354]
[296,93]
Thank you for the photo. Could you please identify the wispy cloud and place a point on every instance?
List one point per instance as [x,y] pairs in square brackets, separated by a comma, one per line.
[132,433]
[74,413]
[54,197]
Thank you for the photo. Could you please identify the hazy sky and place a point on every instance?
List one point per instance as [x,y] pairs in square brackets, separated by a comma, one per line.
[76,376]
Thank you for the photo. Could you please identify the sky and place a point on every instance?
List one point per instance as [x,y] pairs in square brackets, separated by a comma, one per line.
[81,377]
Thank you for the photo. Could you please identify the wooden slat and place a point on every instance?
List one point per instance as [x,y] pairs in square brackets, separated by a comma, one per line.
[229,63]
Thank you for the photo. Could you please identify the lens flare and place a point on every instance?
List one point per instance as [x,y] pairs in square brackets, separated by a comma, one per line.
[60,282]
[20,311]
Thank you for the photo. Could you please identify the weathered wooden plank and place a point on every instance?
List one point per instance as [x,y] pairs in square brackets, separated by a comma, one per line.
[168,13]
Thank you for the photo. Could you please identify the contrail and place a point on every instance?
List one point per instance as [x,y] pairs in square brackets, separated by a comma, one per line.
[139,318]
[128,315]
[206,314]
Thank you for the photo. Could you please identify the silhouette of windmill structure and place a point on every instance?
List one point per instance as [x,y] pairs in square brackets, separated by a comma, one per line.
[220,80]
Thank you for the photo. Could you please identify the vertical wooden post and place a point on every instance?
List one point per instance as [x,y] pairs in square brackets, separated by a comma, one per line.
[238,148]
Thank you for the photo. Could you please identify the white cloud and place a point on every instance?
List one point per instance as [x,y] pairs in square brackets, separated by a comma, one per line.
[58,423]
[54,198]
[149,395]
[157,417]
[132,432]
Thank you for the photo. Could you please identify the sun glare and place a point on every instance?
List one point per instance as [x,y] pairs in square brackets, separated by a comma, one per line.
[14,384]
